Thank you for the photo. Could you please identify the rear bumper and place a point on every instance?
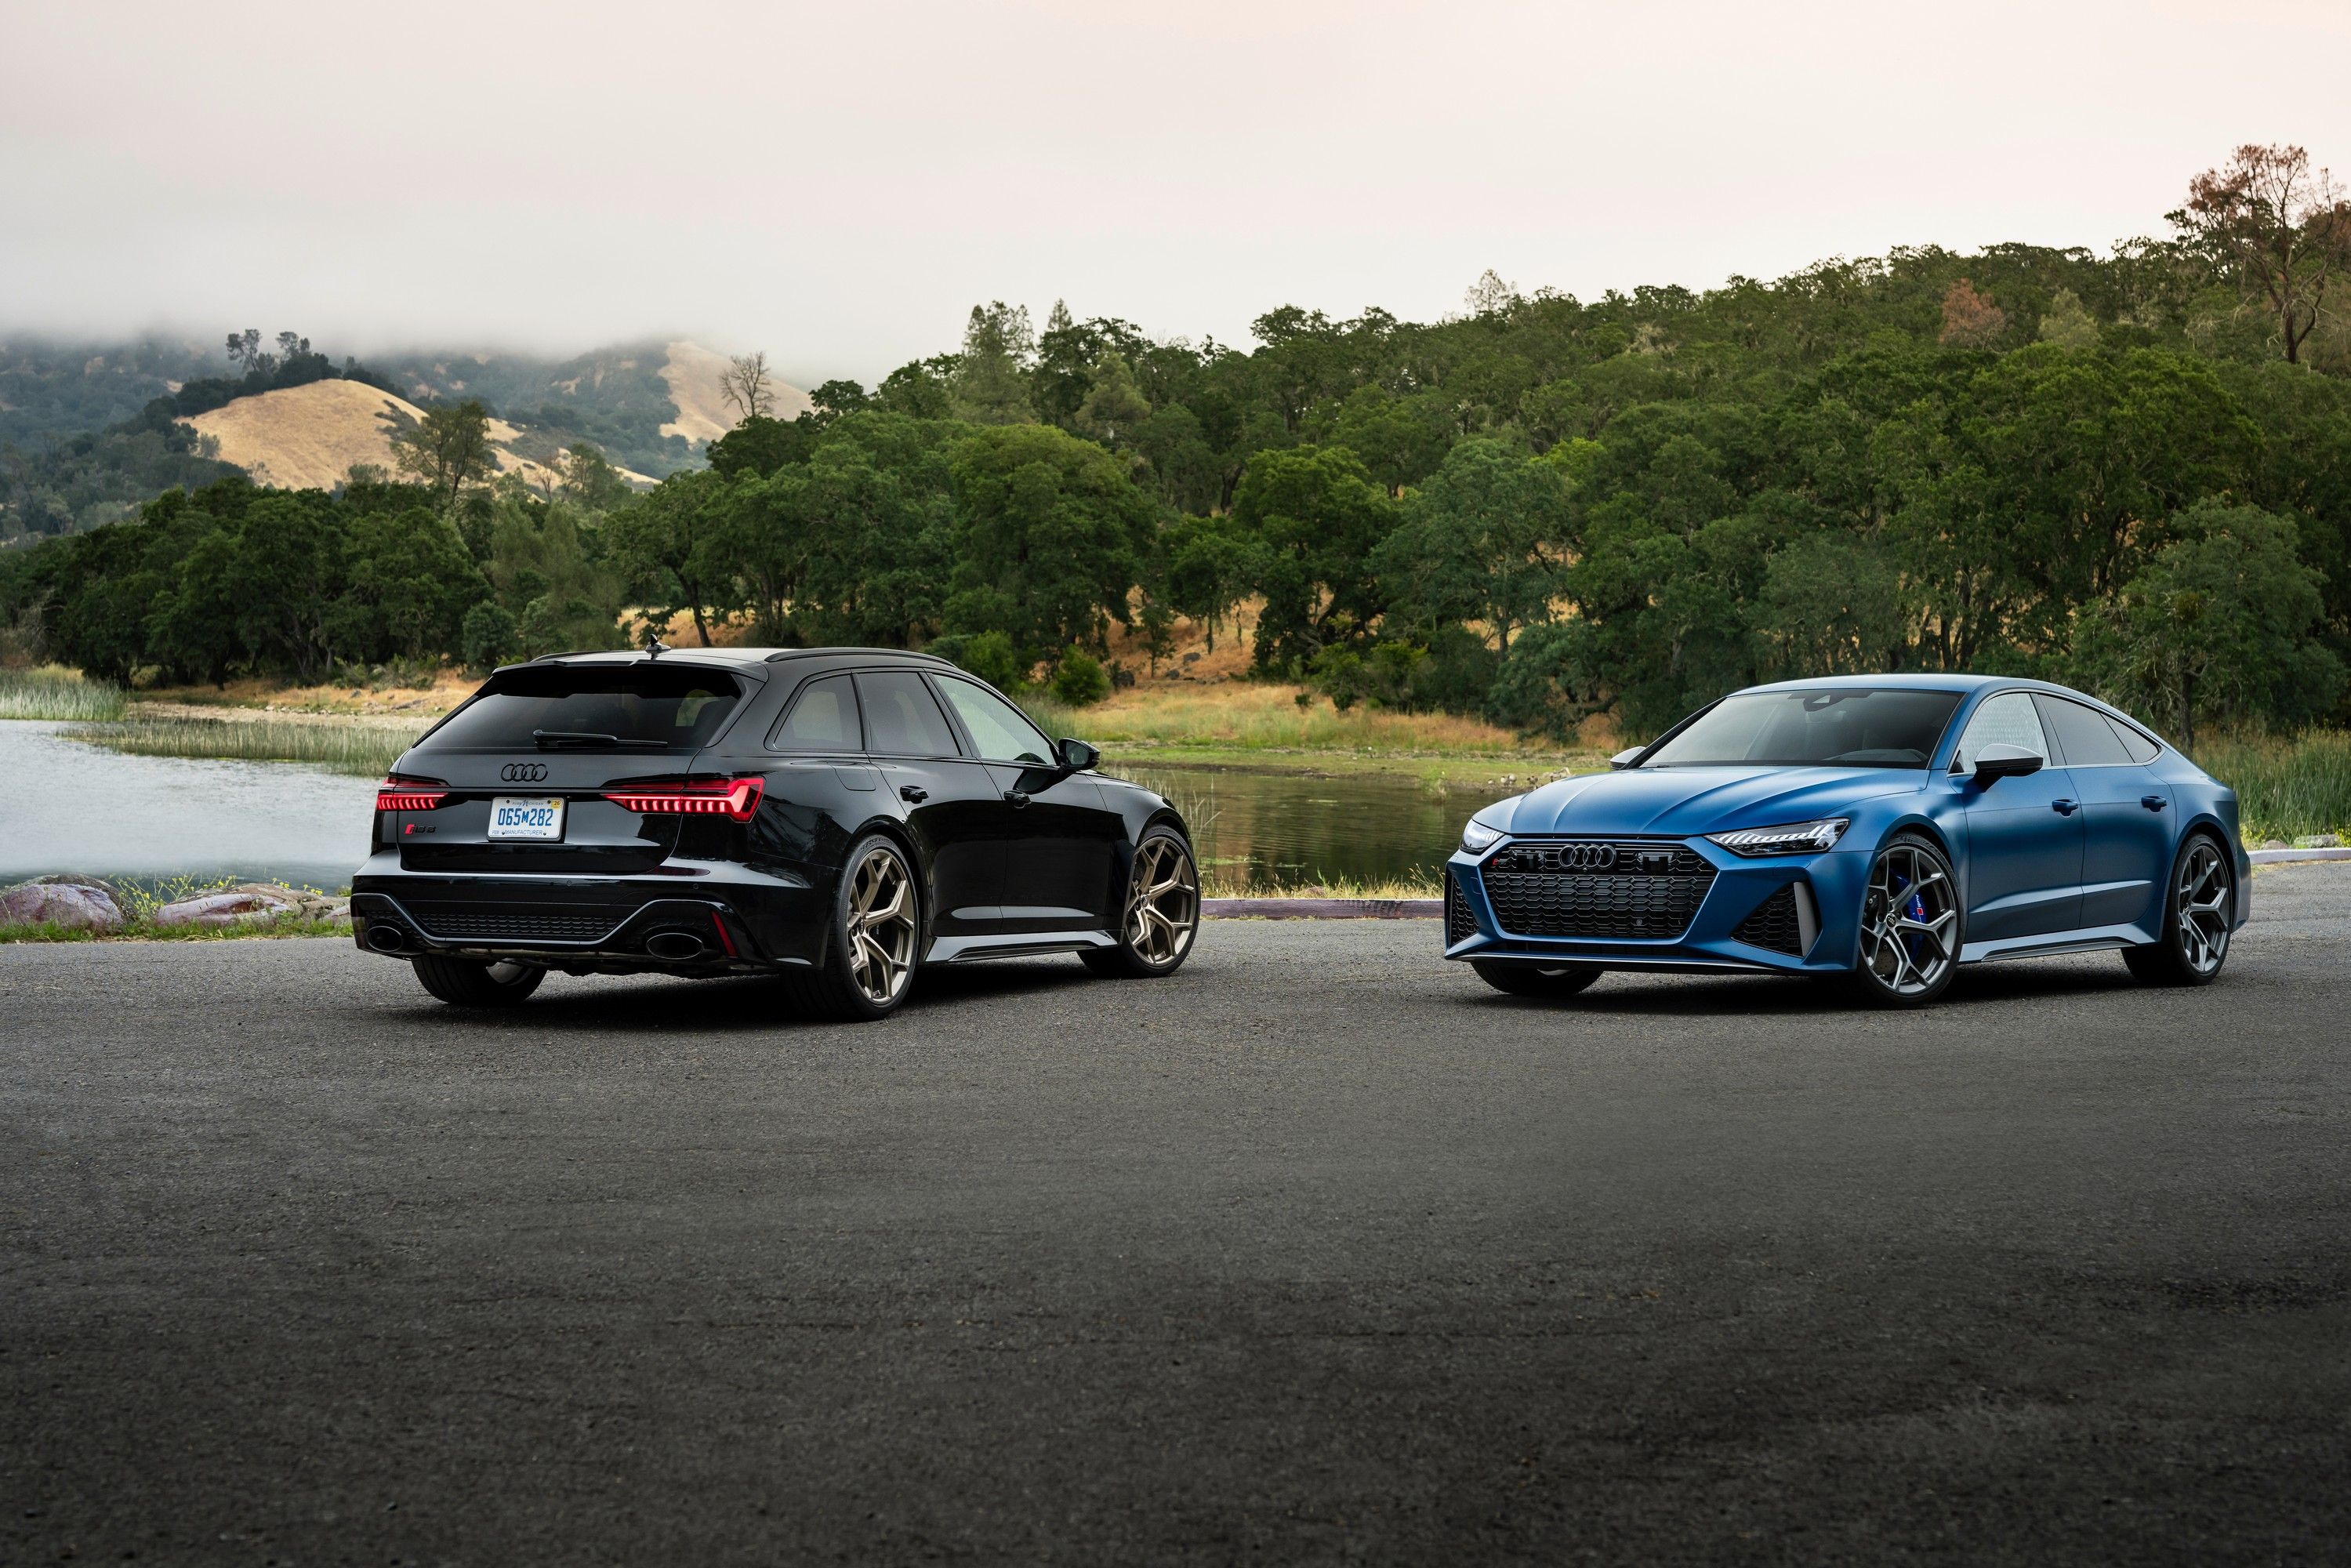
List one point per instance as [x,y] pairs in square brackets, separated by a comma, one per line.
[738,920]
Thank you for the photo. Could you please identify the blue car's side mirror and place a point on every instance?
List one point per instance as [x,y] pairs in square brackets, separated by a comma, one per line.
[1626,758]
[2001,760]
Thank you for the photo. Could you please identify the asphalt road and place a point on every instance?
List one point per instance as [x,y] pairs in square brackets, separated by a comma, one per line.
[1319,1251]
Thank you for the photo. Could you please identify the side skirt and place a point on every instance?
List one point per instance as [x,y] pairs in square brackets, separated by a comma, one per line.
[973,949]
[2050,945]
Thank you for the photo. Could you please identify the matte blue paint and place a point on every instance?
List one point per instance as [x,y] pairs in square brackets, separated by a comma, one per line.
[2069,857]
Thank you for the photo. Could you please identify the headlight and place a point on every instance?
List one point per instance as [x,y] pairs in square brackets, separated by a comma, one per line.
[1795,839]
[1477,838]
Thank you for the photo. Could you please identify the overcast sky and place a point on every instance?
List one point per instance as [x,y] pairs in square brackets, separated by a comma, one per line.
[839,183]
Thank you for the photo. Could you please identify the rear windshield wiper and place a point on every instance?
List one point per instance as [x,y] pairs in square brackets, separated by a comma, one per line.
[581,739]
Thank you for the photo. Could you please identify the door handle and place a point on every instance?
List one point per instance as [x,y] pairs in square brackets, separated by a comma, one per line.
[1016,796]
[913,794]
[2153,802]
[2065,808]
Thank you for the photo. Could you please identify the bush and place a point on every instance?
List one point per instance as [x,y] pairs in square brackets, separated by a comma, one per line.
[490,634]
[989,655]
[1079,679]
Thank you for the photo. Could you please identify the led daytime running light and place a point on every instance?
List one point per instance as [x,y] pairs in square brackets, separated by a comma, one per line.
[735,798]
[1792,839]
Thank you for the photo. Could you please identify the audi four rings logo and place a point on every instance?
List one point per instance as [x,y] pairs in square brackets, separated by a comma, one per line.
[1566,857]
[523,772]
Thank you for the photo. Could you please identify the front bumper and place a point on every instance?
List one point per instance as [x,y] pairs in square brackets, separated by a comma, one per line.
[746,921]
[1832,881]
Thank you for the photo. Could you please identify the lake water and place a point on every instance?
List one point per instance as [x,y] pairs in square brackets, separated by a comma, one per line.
[68,806]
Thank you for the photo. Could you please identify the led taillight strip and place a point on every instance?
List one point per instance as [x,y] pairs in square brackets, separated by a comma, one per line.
[395,797]
[738,798]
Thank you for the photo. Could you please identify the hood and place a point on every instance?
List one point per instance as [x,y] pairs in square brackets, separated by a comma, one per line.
[1686,801]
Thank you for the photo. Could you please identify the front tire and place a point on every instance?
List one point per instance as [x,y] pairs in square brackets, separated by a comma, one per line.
[1161,913]
[1535,981]
[472,983]
[2195,942]
[876,939]
[1911,926]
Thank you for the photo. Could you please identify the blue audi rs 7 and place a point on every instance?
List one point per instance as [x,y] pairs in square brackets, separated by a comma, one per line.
[1878,830]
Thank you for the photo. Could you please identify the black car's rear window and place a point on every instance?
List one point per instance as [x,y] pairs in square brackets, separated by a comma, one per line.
[628,707]
[1831,728]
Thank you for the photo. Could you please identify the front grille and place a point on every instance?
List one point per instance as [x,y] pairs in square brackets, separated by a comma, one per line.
[515,922]
[1773,924]
[1607,888]
[1459,924]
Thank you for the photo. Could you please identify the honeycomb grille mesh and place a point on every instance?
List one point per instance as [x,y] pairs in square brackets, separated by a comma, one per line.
[1459,926]
[515,922]
[1773,924]
[1648,889]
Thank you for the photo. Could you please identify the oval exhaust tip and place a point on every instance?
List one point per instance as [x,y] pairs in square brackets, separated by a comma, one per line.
[387,939]
[675,946]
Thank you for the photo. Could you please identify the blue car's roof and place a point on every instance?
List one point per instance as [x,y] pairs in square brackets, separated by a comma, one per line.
[1921,682]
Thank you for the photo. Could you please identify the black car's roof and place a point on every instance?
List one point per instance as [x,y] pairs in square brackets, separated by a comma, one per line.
[745,659]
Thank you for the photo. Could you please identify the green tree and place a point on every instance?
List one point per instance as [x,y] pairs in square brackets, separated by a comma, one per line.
[2217,624]
[1315,517]
[991,375]
[1486,541]
[448,450]
[669,548]
[1051,532]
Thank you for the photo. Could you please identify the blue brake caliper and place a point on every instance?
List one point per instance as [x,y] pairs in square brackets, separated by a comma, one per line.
[1912,908]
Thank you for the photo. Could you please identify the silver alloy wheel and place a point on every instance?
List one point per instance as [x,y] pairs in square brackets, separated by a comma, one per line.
[2203,902]
[880,926]
[1908,921]
[1163,906]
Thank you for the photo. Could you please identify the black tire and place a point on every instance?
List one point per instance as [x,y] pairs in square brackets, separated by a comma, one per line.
[473,983]
[873,941]
[2194,947]
[1537,980]
[1908,964]
[1159,915]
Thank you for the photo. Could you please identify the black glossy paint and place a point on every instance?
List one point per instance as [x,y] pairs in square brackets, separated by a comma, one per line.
[1009,857]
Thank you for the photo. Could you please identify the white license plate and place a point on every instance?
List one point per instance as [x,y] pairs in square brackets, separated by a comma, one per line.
[526,817]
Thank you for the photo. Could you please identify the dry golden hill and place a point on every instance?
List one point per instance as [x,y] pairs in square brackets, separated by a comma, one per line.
[704,414]
[310,437]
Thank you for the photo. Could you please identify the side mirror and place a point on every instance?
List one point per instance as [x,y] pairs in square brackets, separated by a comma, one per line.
[1077,756]
[1626,758]
[2002,760]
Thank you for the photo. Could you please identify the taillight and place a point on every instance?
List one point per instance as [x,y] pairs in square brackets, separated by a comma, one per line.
[734,797]
[399,795]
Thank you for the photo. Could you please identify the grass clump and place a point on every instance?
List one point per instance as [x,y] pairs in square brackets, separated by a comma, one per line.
[359,749]
[54,692]
[145,930]
[1240,715]
[1216,883]
[2286,789]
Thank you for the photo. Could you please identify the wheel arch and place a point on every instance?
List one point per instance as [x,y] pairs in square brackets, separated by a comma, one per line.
[896,831]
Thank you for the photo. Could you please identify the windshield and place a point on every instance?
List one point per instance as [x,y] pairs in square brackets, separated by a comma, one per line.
[623,707]
[1813,729]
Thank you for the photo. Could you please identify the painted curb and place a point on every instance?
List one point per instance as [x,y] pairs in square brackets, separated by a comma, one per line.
[1322,908]
[2278,857]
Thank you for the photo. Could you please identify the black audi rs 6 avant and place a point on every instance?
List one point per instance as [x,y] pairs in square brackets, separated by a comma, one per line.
[833,817]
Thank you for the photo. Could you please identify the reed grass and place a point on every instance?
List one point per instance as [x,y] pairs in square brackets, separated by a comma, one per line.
[359,749]
[52,692]
[1246,716]
[2287,787]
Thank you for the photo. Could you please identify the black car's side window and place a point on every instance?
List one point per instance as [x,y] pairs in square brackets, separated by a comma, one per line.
[1002,732]
[2083,734]
[902,717]
[824,719]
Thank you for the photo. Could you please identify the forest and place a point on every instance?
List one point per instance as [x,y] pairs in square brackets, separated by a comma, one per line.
[2128,471]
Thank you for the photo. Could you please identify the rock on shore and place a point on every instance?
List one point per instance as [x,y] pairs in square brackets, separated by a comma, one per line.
[250,903]
[77,903]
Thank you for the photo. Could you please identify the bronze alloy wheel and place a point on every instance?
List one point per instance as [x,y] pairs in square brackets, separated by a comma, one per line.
[868,964]
[880,926]
[1161,912]
[1909,926]
[2196,908]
